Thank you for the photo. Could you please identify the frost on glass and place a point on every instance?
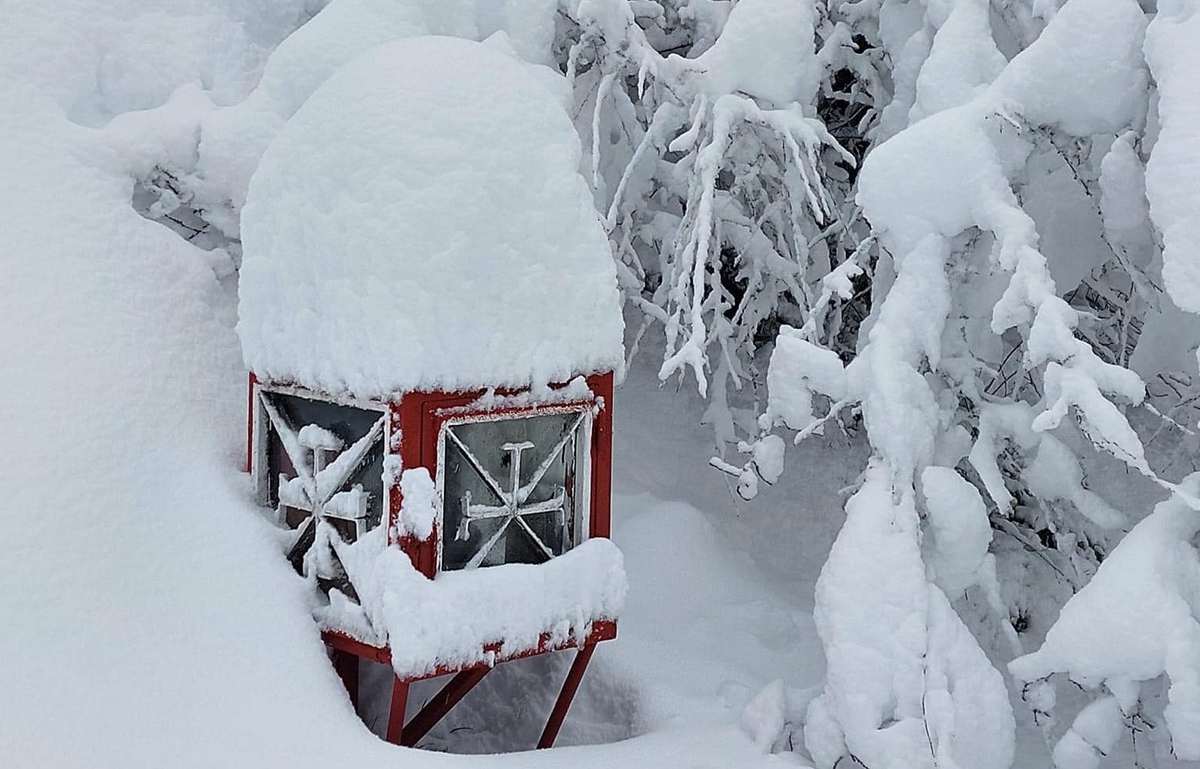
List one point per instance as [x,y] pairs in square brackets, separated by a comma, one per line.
[511,489]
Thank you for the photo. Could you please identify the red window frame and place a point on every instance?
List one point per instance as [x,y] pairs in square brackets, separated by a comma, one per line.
[422,414]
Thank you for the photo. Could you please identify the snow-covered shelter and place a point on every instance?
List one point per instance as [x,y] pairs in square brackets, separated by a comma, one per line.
[430,316]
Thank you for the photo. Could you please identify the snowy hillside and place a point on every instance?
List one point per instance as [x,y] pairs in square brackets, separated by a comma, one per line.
[905,437]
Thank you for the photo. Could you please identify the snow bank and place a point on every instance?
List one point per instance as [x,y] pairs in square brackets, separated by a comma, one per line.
[397,238]
[449,620]
[1144,601]
[96,65]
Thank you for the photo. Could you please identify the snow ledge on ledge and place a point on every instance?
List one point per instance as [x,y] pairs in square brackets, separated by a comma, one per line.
[448,621]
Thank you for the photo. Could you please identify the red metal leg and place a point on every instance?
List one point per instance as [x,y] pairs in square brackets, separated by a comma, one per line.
[250,380]
[440,704]
[346,666]
[565,696]
[395,726]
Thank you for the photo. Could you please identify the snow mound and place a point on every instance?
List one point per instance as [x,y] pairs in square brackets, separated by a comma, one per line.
[396,239]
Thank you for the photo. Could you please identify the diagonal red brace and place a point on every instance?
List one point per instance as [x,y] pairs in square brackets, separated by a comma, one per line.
[566,695]
[440,704]
[395,725]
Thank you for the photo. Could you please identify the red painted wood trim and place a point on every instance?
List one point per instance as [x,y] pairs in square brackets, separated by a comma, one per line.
[440,704]
[342,642]
[601,507]
[406,426]
[396,448]
[566,696]
[425,553]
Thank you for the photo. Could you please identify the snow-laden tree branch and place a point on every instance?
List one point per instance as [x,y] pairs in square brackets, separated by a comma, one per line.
[730,157]
[948,196]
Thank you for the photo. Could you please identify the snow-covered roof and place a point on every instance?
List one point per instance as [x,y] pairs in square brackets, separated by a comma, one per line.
[420,223]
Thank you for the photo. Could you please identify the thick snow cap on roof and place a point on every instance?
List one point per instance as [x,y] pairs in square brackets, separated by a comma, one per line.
[420,223]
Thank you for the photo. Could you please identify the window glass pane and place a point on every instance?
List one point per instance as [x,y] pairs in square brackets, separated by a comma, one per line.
[348,424]
[483,463]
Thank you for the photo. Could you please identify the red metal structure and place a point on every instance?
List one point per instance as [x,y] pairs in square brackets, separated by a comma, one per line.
[520,477]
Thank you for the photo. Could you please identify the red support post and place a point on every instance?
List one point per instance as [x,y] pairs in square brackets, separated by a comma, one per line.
[600,524]
[250,382]
[441,703]
[565,696]
[395,725]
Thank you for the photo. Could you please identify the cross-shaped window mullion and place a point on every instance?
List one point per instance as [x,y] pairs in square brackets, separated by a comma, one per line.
[478,467]
[511,499]
[511,514]
[486,547]
[546,551]
[356,453]
[319,492]
[527,489]
[511,509]
[291,446]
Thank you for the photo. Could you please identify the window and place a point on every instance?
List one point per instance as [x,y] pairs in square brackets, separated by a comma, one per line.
[323,461]
[513,490]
